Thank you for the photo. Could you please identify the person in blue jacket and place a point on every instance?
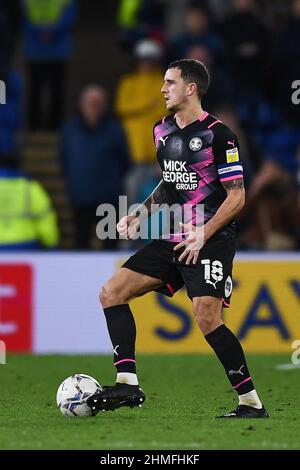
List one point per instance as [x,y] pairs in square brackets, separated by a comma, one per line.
[95,159]
[47,37]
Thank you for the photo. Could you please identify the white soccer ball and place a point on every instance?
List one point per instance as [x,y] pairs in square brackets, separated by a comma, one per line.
[73,393]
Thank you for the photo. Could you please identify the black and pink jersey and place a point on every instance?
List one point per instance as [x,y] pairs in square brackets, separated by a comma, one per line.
[195,161]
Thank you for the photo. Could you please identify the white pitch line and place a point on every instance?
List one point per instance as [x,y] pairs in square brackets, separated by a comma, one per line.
[164,445]
[288,366]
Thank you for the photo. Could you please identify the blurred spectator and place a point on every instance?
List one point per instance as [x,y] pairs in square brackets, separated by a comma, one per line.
[10,113]
[220,8]
[95,158]
[152,17]
[47,28]
[128,22]
[175,11]
[274,196]
[139,19]
[280,159]
[288,65]
[247,47]
[27,220]
[140,104]
[10,25]
[221,87]
[197,31]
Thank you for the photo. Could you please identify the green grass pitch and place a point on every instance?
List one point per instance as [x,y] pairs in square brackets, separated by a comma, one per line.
[184,393]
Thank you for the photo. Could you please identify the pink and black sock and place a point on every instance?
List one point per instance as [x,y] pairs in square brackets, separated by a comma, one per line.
[122,332]
[230,352]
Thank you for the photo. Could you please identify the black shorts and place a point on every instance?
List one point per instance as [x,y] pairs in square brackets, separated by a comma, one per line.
[210,276]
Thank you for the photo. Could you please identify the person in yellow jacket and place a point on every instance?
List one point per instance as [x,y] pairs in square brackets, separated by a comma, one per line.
[139,103]
[27,220]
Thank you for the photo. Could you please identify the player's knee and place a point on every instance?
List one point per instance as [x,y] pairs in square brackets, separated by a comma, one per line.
[110,296]
[102,295]
[207,316]
[106,297]
[205,322]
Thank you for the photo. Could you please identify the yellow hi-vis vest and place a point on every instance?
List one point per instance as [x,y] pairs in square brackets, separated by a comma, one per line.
[45,12]
[26,215]
[127,13]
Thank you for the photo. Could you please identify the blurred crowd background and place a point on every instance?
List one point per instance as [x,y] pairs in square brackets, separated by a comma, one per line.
[82,84]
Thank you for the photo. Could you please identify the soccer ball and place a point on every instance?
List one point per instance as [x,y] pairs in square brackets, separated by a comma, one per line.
[73,393]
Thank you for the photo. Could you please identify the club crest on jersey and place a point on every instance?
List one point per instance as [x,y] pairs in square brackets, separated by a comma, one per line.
[195,144]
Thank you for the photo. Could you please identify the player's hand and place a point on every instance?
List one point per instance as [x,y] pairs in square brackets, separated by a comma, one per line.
[193,243]
[128,226]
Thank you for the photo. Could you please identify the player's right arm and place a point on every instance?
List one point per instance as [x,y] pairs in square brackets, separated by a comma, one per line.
[128,225]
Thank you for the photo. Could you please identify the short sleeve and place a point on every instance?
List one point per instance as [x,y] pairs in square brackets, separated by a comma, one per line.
[227,154]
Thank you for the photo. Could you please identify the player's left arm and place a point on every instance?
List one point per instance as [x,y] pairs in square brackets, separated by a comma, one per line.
[198,236]
[232,205]
[230,170]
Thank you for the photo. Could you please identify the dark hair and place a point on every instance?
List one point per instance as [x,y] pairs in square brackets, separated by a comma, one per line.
[193,71]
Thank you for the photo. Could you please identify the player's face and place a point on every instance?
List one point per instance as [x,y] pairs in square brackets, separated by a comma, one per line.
[175,90]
